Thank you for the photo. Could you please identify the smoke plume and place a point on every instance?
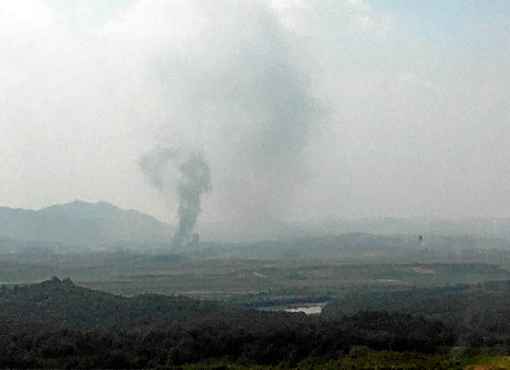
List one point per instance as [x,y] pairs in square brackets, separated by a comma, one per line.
[240,94]
[156,167]
[194,181]
[188,176]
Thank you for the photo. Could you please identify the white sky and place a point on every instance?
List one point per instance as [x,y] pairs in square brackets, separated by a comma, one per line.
[304,108]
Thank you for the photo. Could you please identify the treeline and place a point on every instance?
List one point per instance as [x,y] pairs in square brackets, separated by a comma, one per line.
[57,324]
[478,314]
[246,338]
[58,302]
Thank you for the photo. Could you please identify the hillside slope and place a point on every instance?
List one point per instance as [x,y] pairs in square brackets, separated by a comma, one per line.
[483,310]
[64,303]
[81,223]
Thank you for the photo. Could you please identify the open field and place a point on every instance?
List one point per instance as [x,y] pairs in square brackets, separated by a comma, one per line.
[378,315]
[385,360]
[239,280]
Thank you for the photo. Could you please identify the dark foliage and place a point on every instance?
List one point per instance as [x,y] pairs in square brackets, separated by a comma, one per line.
[65,304]
[80,328]
[251,337]
[479,314]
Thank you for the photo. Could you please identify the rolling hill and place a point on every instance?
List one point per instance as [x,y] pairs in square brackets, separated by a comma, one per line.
[81,224]
[61,302]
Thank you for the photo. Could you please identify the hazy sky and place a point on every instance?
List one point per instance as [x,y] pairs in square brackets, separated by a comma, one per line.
[304,109]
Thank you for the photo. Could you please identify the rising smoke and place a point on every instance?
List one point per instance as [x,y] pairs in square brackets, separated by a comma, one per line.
[240,93]
[156,166]
[412,122]
[166,167]
[195,180]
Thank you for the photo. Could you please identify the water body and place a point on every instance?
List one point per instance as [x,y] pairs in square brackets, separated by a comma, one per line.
[307,308]
[315,309]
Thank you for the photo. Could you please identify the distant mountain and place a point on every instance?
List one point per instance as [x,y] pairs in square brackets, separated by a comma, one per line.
[256,230]
[368,247]
[81,224]
[276,229]
[102,225]
[495,228]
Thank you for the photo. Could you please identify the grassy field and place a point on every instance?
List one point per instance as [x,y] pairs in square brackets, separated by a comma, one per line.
[237,280]
[381,360]
[489,363]
[255,282]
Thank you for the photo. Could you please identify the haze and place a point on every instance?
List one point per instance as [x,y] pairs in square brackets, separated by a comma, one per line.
[304,110]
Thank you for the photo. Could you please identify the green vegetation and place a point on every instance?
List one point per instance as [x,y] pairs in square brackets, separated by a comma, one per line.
[57,324]
[129,310]
[489,363]
[237,280]
[478,313]
[57,303]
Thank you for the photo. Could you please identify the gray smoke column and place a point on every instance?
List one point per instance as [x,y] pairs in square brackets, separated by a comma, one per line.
[239,93]
[188,176]
[156,165]
[195,179]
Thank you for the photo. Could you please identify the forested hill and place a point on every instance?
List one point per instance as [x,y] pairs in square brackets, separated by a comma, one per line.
[477,310]
[57,324]
[81,223]
[62,303]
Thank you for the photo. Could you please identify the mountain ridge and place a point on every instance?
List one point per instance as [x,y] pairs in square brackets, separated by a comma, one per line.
[82,223]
